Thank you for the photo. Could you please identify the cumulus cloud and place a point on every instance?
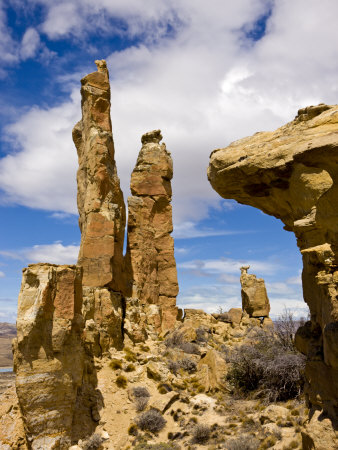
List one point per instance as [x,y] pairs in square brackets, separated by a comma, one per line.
[30,43]
[55,253]
[194,72]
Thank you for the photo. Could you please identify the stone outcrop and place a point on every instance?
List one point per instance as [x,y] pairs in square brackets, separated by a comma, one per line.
[49,353]
[102,216]
[68,315]
[151,265]
[255,300]
[100,199]
[292,174]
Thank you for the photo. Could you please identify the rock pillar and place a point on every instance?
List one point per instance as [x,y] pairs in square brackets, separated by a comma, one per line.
[49,353]
[150,248]
[255,300]
[100,199]
[292,174]
[102,216]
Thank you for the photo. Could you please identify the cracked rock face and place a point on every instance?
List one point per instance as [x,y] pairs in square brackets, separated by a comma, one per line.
[292,174]
[255,300]
[100,199]
[49,353]
[150,249]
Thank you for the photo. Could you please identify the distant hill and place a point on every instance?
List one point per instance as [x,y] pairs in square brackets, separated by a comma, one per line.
[7,333]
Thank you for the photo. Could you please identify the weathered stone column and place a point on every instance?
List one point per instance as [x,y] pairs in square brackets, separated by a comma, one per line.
[255,300]
[102,216]
[100,199]
[49,353]
[150,249]
[292,174]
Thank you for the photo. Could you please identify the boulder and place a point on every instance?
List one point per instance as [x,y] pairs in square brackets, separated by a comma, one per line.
[211,371]
[255,300]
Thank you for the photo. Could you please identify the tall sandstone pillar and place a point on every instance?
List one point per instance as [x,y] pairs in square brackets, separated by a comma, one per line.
[150,257]
[292,174]
[102,216]
[100,199]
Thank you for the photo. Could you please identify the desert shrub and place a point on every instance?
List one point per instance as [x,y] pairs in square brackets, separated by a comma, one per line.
[285,329]
[140,391]
[266,364]
[121,381]
[130,368]
[201,434]
[243,443]
[190,347]
[160,446]
[93,443]
[151,420]
[115,364]
[132,429]
[129,355]
[176,339]
[188,365]
[201,334]
[173,366]
[141,397]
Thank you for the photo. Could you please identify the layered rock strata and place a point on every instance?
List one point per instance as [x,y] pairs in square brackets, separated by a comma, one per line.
[255,300]
[100,199]
[292,174]
[49,353]
[150,257]
[102,216]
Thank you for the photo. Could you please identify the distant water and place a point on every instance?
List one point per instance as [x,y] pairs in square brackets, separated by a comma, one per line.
[6,369]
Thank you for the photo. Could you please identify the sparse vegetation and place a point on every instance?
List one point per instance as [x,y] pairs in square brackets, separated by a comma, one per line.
[176,340]
[201,434]
[130,368]
[243,442]
[129,355]
[151,420]
[265,364]
[121,381]
[93,443]
[188,365]
[141,397]
[132,429]
[115,364]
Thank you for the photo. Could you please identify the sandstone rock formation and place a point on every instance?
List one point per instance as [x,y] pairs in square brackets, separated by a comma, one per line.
[49,353]
[100,199]
[291,173]
[102,216]
[255,300]
[151,265]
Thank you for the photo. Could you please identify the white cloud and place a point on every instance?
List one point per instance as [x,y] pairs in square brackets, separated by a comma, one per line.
[228,266]
[189,230]
[30,43]
[194,74]
[55,253]
[2,275]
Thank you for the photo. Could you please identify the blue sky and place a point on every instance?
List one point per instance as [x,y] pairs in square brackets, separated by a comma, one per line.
[205,73]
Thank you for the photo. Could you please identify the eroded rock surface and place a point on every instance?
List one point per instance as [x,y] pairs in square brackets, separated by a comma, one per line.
[150,250]
[49,352]
[292,174]
[255,300]
[100,199]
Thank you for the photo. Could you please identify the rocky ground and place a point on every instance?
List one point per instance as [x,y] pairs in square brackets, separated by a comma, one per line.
[173,394]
